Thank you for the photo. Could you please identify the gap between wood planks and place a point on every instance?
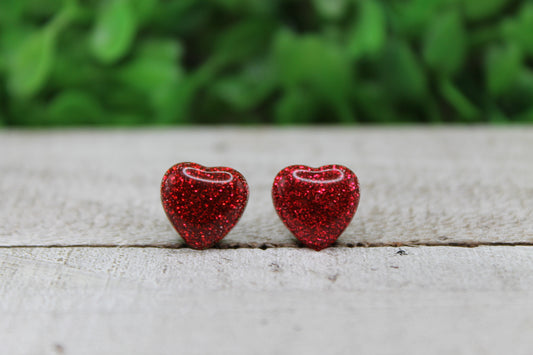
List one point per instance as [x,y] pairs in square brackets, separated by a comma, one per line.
[273,245]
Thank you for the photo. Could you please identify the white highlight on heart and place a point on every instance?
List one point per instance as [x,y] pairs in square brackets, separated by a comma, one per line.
[187,169]
[339,178]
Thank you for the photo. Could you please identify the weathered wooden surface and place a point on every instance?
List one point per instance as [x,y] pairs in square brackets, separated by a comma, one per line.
[419,186]
[434,300]
[459,186]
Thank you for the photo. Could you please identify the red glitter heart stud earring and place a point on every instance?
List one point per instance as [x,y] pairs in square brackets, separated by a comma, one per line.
[316,204]
[203,204]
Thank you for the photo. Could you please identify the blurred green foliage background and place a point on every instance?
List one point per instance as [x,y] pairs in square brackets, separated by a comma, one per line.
[129,62]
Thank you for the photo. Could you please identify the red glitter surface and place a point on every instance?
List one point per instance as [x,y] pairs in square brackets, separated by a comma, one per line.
[316,204]
[203,204]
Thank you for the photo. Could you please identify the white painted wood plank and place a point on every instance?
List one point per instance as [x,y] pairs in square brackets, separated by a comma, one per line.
[419,185]
[435,300]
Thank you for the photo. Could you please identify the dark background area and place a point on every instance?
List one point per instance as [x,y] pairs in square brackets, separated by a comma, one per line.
[157,62]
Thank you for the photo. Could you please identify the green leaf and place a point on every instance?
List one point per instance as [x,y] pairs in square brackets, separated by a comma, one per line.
[331,9]
[445,44]
[243,40]
[156,72]
[156,80]
[296,106]
[143,9]
[11,12]
[230,4]
[234,92]
[311,61]
[526,117]
[519,97]
[178,109]
[496,116]
[245,6]
[373,101]
[31,64]
[410,19]
[502,65]
[127,119]
[524,85]
[321,66]
[154,67]
[163,49]
[368,35]
[119,98]
[402,74]
[525,28]
[74,107]
[26,112]
[247,89]
[480,9]
[458,100]
[114,31]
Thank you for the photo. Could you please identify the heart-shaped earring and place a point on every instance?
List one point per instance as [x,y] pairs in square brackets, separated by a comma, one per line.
[203,204]
[316,204]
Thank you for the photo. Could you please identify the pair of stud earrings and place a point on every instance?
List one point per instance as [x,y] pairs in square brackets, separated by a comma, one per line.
[204,204]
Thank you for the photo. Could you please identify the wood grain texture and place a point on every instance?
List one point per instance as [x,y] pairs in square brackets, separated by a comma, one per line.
[419,185]
[434,300]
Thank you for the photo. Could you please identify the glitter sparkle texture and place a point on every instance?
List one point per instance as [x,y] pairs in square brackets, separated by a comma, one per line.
[316,204]
[203,204]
